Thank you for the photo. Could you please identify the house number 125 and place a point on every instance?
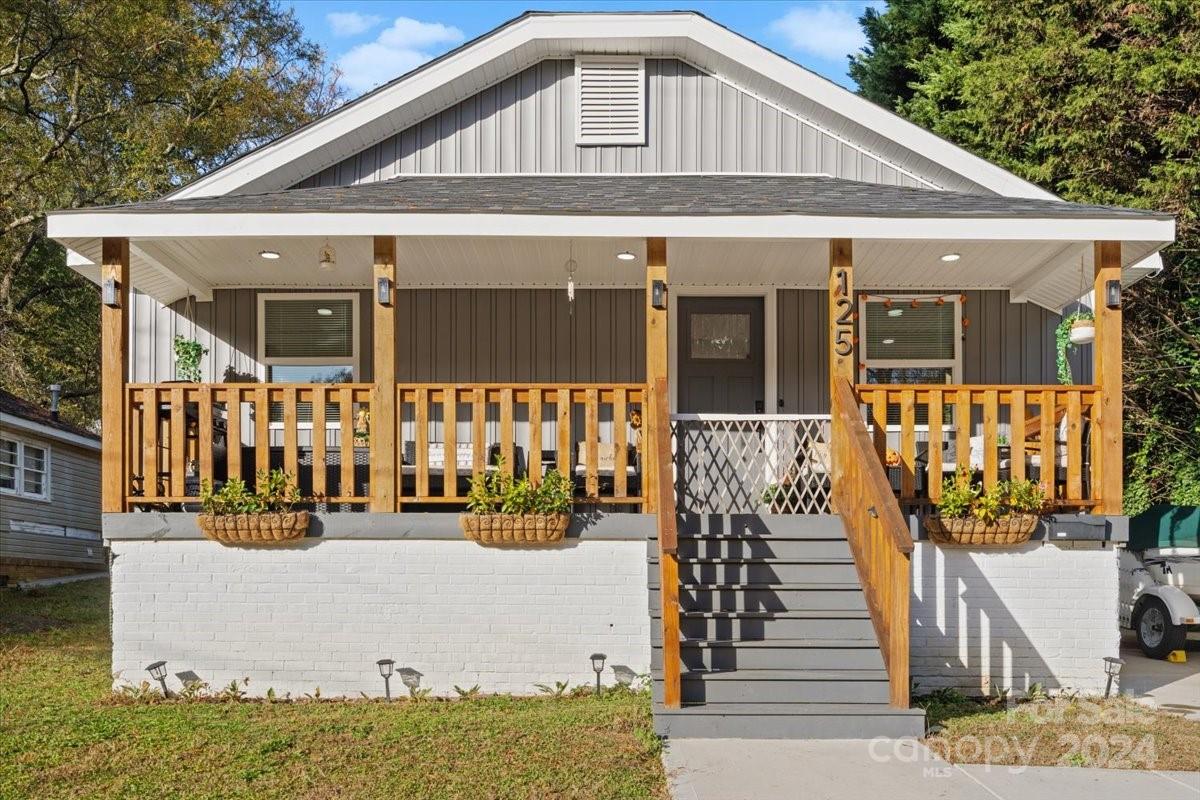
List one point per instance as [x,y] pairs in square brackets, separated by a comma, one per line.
[843,325]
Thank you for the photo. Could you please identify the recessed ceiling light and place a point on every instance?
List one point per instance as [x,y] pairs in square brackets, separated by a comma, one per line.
[889,341]
[325,312]
[951,257]
[270,255]
[625,255]
[895,312]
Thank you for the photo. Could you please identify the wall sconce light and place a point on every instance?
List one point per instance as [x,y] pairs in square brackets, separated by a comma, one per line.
[158,671]
[385,671]
[383,290]
[598,667]
[1112,294]
[109,291]
[1112,668]
[658,295]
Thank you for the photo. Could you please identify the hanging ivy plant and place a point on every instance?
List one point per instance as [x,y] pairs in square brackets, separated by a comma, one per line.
[1062,337]
[188,353]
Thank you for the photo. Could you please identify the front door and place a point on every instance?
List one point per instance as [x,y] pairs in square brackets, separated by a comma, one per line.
[720,365]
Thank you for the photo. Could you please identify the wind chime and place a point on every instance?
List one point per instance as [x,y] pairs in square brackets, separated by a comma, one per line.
[570,267]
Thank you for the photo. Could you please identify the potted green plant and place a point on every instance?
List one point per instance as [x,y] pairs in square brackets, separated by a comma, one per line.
[967,516]
[504,510]
[1077,328]
[236,515]
[188,353]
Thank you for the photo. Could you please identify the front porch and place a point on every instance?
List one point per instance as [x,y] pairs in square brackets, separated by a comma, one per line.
[719,381]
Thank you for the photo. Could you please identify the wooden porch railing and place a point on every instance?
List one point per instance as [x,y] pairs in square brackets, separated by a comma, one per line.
[878,536]
[590,432]
[1042,432]
[180,435]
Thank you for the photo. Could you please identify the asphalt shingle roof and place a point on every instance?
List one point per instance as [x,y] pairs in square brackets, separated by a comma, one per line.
[633,195]
[19,407]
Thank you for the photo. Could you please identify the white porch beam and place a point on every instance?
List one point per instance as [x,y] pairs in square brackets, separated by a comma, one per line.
[786,226]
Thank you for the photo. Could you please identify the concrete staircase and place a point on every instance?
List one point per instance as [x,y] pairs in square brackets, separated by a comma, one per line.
[775,637]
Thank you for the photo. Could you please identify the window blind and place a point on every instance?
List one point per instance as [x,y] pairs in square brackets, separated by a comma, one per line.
[310,329]
[924,333]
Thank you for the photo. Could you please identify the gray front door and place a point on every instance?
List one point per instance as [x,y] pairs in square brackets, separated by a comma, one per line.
[720,361]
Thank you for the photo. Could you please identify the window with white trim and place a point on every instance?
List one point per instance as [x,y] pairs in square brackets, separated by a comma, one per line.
[24,469]
[308,338]
[611,107]
[911,339]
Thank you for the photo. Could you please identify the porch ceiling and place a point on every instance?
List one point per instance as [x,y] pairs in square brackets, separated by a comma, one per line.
[1047,273]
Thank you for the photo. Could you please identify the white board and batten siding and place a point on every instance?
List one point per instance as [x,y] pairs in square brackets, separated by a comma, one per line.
[66,525]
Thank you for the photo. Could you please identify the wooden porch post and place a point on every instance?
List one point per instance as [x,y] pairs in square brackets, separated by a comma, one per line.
[114,371]
[1107,355]
[842,367]
[658,477]
[383,419]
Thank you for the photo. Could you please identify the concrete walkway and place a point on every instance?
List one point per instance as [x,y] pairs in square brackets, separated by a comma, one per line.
[771,769]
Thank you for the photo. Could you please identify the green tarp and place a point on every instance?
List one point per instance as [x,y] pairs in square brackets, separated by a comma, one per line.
[1165,526]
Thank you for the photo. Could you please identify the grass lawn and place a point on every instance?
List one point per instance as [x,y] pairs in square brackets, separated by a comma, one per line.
[1064,731]
[63,734]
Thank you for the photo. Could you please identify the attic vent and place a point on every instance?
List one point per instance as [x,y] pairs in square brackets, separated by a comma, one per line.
[612,100]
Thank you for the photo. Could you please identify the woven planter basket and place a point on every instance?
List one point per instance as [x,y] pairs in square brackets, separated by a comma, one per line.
[254,528]
[514,528]
[970,532]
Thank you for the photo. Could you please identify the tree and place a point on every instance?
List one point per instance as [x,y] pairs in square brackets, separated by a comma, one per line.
[112,101]
[1097,101]
[896,39]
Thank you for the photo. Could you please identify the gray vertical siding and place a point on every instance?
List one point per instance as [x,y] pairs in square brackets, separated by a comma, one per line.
[1004,343]
[74,503]
[526,123]
[520,335]
[227,326]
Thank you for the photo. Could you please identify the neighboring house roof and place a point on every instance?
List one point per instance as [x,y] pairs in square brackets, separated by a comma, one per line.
[18,413]
[632,194]
[536,36]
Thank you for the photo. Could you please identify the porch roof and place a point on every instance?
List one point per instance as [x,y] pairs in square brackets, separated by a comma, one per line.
[634,195]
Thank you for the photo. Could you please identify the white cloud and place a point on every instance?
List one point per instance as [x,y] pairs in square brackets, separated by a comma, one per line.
[406,44]
[351,23]
[824,30]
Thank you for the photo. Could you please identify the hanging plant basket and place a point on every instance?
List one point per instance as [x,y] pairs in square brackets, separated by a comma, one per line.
[271,528]
[1083,331]
[515,529]
[1008,531]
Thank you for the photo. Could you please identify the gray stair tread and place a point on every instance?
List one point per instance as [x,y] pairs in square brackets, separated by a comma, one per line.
[817,644]
[822,536]
[786,674]
[818,614]
[791,709]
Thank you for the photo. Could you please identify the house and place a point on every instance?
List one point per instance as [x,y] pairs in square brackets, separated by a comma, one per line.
[723,294]
[49,494]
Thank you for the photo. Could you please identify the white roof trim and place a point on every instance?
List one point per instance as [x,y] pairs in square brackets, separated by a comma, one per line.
[647,34]
[50,432]
[778,226]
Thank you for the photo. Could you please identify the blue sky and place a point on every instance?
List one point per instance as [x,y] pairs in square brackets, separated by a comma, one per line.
[373,41]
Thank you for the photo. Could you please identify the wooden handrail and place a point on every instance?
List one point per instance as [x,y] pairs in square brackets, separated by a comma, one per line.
[878,536]
[668,562]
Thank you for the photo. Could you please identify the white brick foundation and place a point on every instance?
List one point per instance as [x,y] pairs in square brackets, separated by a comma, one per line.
[1038,614]
[320,615]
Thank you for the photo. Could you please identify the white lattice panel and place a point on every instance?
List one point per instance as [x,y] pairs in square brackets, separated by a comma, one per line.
[742,463]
